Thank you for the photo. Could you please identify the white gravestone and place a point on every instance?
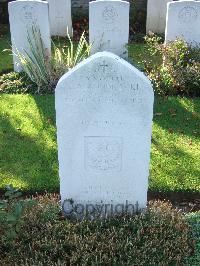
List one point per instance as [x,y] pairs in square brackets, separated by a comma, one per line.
[109,26]
[156,16]
[23,15]
[104,110]
[60,17]
[183,21]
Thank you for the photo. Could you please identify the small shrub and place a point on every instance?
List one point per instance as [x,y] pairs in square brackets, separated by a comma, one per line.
[179,71]
[158,236]
[16,83]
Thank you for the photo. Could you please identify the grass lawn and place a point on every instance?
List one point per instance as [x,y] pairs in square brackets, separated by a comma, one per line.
[29,153]
[28,137]
[5,57]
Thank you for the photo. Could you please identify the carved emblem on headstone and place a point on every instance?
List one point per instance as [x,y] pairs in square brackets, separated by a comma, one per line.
[188,14]
[28,14]
[103,153]
[109,14]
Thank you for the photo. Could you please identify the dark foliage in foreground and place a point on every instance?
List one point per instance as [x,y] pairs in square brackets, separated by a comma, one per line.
[194,221]
[159,236]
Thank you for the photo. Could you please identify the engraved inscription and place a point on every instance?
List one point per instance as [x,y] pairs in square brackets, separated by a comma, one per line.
[28,15]
[103,153]
[109,14]
[103,189]
[188,15]
[59,16]
[104,66]
[103,70]
[104,123]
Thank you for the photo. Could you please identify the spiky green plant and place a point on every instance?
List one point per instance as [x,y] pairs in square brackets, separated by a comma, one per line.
[66,57]
[75,56]
[45,71]
[36,63]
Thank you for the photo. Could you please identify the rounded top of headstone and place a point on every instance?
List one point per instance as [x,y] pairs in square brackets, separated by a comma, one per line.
[27,2]
[109,2]
[183,2]
[106,57]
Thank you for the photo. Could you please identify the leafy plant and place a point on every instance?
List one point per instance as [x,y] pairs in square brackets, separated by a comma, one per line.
[11,213]
[179,71]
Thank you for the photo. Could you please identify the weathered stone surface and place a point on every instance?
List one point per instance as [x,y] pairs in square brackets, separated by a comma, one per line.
[104,110]
[60,17]
[23,16]
[156,16]
[109,26]
[183,21]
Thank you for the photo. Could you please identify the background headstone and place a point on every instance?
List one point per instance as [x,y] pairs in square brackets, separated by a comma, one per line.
[104,111]
[80,9]
[156,16]
[60,17]
[183,21]
[109,26]
[23,15]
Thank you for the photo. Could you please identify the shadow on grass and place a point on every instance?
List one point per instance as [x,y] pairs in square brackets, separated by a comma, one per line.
[173,114]
[29,157]
[47,111]
[26,161]
[174,158]
[178,165]
[6,63]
